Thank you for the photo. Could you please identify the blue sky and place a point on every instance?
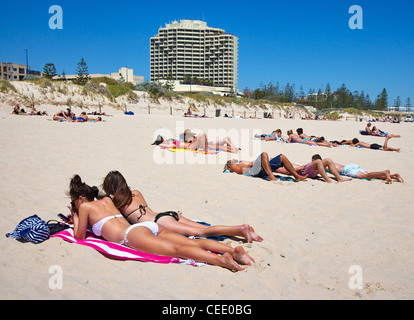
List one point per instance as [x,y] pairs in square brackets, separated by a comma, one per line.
[308,43]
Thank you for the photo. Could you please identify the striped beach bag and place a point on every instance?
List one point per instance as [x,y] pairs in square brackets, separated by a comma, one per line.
[32,229]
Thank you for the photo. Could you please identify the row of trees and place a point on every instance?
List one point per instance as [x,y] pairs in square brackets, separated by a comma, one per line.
[82,73]
[325,98]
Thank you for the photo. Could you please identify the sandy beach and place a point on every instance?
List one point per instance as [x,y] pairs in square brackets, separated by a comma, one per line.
[314,233]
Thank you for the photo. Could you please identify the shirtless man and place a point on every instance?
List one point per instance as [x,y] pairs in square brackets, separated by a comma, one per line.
[375,146]
[263,167]
[355,171]
[318,166]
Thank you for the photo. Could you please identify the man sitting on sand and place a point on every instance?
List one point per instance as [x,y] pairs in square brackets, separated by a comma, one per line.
[263,167]
[375,146]
[355,171]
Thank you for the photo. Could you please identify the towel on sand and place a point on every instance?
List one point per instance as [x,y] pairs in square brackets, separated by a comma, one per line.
[116,250]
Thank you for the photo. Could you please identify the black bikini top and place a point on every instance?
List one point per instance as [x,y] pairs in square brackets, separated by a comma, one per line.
[141,209]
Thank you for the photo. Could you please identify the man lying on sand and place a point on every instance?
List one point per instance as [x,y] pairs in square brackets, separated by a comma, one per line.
[375,146]
[355,171]
[318,166]
[263,167]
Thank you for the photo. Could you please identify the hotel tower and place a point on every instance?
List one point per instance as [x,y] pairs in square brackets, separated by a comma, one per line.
[191,49]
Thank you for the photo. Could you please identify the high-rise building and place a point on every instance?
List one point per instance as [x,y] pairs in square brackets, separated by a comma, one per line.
[190,49]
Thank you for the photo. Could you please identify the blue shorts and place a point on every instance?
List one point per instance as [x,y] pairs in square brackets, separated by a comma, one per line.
[257,170]
[351,170]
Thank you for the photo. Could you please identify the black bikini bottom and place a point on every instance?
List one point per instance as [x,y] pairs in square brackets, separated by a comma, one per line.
[168,213]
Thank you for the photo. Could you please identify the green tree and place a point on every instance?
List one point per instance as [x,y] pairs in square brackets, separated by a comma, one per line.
[397,103]
[82,77]
[64,76]
[169,84]
[408,104]
[384,99]
[49,71]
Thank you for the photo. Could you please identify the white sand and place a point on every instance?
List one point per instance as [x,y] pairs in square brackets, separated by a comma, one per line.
[313,231]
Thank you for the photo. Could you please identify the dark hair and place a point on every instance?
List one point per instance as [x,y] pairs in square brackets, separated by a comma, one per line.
[78,188]
[316,157]
[115,185]
[355,141]
[299,130]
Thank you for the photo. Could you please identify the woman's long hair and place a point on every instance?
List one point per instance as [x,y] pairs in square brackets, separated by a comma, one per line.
[117,188]
[78,188]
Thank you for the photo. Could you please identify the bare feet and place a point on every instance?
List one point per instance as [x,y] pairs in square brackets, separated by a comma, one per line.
[343,179]
[389,180]
[300,178]
[228,262]
[241,256]
[246,233]
[399,178]
[254,235]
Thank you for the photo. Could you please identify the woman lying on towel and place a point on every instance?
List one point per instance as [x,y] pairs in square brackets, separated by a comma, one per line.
[135,209]
[146,236]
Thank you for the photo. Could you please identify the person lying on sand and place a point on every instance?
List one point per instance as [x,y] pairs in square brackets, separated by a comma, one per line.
[193,142]
[318,166]
[378,133]
[355,171]
[375,146]
[132,205]
[302,135]
[295,138]
[197,141]
[274,136]
[263,167]
[149,237]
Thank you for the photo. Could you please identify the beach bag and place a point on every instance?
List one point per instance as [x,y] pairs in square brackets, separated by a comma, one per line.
[56,226]
[32,229]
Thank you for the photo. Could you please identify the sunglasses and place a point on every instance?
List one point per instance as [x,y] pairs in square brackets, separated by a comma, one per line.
[72,205]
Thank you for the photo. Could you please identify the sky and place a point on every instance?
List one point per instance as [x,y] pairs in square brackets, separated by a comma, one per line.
[308,43]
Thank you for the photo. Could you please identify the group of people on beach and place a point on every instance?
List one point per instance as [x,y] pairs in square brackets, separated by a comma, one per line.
[69,116]
[17,110]
[302,138]
[264,167]
[123,216]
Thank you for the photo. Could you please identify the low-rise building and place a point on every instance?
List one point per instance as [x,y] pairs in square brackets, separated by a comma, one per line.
[124,74]
[12,71]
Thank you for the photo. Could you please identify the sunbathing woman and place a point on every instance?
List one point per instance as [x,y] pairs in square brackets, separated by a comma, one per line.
[147,236]
[61,116]
[135,209]
[294,138]
[200,141]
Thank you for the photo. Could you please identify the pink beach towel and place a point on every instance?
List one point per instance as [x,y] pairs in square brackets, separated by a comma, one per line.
[119,251]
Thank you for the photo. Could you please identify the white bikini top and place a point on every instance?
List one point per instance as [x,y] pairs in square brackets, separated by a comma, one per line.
[97,227]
